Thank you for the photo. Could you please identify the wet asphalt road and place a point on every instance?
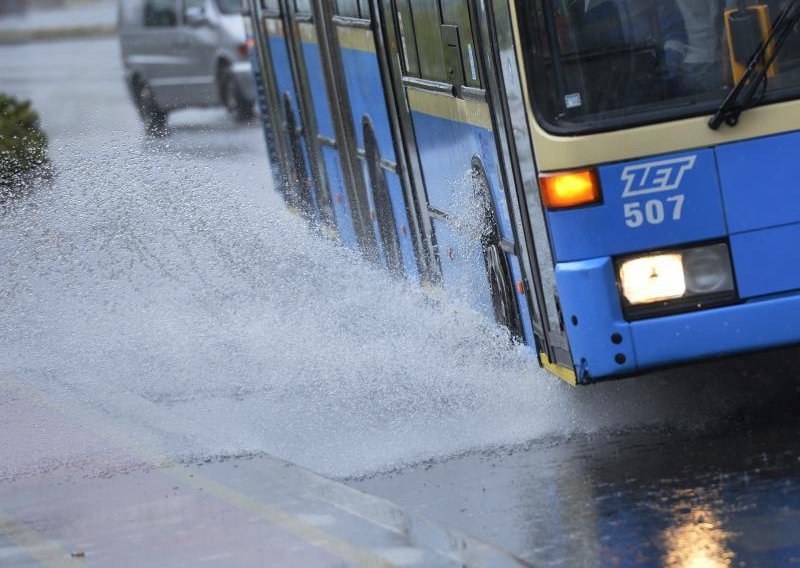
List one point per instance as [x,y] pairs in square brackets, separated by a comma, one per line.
[141,305]
[727,494]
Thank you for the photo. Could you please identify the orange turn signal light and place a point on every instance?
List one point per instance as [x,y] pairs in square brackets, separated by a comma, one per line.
[570,189]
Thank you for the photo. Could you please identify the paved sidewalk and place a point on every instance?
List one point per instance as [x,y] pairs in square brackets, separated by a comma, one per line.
[241,511]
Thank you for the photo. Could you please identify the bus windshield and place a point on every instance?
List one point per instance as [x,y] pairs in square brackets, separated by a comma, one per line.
[599,65]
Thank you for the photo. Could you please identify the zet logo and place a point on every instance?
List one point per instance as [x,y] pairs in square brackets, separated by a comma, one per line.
[655,177]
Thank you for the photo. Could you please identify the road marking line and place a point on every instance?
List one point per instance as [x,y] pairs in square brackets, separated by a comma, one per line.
[44,551]
[309,533]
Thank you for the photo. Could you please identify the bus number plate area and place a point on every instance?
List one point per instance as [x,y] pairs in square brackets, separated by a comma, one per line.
[648,204]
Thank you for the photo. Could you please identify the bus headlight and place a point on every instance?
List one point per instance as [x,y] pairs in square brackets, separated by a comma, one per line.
[654,278]
[677,280]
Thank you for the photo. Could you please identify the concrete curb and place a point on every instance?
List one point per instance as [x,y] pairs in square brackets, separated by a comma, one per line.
[14,37]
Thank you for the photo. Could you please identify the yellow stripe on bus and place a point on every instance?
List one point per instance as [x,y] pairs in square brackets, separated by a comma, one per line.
[274,27]
[450,108]
[308,33]
[359,39]
[563,373]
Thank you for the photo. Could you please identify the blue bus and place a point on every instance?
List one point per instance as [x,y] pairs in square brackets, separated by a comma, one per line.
[610,180]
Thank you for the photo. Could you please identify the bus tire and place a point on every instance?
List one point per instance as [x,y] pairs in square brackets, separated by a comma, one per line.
[504,304]
[503,300]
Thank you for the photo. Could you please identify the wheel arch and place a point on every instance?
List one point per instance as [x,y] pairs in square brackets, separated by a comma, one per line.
[498,272]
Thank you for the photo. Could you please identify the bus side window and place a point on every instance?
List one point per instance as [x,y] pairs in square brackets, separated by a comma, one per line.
[271,6]
[407,37]
[353,9]
[428,31]
[455,14]
[348,8]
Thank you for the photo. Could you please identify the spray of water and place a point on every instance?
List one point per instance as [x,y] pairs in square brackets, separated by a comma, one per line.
[165,284]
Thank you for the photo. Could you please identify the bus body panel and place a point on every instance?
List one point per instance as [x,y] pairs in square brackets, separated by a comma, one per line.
[279,50]
[331,161]
[341,202]
[593,315]
[758,324]
[647,204]
[282,68]
[759,182]
[463,271]
[404,233]
[447,148]
[500,39]
[767,261]
[529,336]
[316,83]
[367,98]
[364,87]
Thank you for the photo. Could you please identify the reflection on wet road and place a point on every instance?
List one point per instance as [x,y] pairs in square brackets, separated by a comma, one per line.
[728,495]
[160,287]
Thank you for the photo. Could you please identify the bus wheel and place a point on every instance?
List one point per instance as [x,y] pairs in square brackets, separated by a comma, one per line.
[497,270]
[153,116]
[503,301]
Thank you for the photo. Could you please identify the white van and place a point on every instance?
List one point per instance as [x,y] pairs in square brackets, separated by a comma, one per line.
[185,53]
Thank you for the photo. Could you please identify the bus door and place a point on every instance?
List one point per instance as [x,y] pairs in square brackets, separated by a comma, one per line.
[448,125]
[518,171]
[358,74]
[510,109]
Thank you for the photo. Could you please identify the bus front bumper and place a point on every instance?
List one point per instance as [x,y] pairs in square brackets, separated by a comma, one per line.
[605,345]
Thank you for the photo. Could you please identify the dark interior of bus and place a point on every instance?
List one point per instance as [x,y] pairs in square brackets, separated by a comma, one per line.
[599,64]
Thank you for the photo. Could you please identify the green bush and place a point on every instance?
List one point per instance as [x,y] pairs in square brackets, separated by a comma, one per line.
[23,146]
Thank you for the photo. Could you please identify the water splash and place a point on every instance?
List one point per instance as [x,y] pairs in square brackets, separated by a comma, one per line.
[163,283]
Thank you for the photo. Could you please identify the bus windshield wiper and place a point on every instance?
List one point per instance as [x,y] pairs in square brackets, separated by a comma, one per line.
[742,95]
